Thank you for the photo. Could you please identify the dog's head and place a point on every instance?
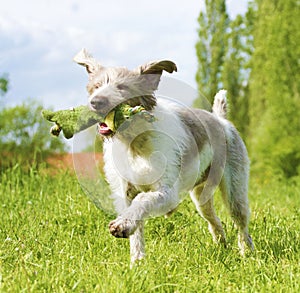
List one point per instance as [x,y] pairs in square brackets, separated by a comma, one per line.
[110,87]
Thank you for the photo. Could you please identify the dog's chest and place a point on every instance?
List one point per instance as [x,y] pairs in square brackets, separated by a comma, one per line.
[122,162]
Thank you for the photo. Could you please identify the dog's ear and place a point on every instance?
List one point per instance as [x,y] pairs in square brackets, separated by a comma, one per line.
[152,71]
[84,58]
[157,67]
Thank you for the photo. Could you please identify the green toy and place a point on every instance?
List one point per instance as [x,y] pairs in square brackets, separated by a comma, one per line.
[77,119]
[71,121]
[124,112]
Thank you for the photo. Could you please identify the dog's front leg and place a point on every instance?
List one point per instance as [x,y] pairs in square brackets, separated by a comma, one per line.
[137,244]
[144,205]
[130,223]
[122,228]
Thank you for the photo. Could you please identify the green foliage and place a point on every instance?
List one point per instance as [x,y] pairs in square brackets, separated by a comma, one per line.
[24,135]
[235,71]
[275,88]
[210,48]
[259,67]
[3,85]
[52,239]
[224,50]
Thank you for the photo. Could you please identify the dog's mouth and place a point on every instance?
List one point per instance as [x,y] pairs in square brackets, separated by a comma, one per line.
[119,115]
[104,129]
[108,126]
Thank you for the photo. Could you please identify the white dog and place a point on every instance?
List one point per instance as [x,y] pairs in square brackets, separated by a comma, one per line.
[150,162]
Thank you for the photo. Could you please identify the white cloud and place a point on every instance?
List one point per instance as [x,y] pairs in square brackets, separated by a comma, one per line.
[38,39]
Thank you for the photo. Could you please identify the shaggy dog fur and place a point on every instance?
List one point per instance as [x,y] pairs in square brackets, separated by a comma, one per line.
[149,164]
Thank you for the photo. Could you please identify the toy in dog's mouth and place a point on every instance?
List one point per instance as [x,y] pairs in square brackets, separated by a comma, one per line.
[77,119]
[119,115]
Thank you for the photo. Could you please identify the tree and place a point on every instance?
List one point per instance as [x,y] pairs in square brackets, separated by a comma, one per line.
[224,50]
[3,85]
[24,135]
[275,88]
[236,68]
[211,47]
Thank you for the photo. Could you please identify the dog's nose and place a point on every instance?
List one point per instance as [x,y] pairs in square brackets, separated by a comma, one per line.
[98,102]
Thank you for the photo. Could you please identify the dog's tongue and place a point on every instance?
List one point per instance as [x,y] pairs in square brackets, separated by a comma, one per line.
[104,129]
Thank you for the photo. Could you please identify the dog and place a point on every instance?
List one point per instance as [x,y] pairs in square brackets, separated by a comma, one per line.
[149,163]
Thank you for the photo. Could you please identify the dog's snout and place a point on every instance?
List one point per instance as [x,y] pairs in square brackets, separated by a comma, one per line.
[98,102]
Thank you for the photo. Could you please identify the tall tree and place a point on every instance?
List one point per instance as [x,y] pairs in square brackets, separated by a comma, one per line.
[275,88]
[236,68]
[210,48]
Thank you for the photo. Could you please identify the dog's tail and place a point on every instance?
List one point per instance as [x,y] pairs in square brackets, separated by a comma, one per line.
[220,104]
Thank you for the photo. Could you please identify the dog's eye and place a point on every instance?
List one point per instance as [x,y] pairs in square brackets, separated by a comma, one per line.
[122,87]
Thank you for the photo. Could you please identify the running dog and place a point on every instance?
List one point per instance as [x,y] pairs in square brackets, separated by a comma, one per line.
[149,163]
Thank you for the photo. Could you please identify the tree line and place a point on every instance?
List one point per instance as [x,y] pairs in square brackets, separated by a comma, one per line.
[255,57]
[24,134]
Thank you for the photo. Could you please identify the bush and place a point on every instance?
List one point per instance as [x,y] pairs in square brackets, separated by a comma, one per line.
[24,136]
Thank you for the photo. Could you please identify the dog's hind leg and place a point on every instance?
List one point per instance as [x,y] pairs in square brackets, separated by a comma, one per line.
[234,188]
[207,212]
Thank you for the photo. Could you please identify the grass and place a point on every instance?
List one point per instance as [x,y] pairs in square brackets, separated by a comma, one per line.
[53,239]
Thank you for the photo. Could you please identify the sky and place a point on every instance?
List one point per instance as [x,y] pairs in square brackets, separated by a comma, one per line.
[39,38]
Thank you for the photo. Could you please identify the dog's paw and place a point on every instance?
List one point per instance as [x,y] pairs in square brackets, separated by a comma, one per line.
[122,228]
[246,244]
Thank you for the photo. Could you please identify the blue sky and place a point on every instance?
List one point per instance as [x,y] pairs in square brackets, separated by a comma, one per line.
[38,39]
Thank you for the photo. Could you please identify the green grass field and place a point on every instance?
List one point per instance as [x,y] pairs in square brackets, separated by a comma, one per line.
[53,239]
